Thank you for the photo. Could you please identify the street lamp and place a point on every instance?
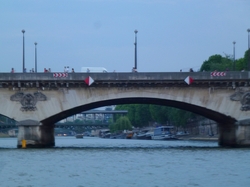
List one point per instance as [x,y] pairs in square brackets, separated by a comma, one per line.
[234,56]
[136,49]
[35,58]
[23,31]
[248,30]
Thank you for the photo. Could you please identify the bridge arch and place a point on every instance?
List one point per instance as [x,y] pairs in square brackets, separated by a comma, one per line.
[210,114]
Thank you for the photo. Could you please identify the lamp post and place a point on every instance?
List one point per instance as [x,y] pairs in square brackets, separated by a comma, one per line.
[234,55]
[35,58]
[23,31]
[248,30]
[136,49]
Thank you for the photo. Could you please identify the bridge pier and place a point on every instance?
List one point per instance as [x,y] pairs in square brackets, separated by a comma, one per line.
[227,135]
[35,134]
[235,135]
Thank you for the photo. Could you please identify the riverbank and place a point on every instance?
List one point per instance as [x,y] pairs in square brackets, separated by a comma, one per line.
[2,135]
[199,138]
[188,137]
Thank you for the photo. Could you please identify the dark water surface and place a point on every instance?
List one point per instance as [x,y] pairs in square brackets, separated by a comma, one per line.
[92,162]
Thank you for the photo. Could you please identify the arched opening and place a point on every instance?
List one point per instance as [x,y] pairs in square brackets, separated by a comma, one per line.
[210,114]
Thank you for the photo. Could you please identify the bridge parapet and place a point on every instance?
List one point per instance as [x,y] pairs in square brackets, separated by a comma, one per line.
[43,80]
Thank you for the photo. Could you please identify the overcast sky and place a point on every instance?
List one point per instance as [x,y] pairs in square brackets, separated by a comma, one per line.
[172,34]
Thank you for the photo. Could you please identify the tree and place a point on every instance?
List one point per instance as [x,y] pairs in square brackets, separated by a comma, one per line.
[241,64]
[142,115]
[159,113]
[131,111]
[217,62]
[179,117]
[138,114]
[247,60]
[121,124]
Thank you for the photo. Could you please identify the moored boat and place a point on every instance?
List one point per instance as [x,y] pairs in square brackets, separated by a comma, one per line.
[129,134]
[145,135]
[163,133]
[118,136]
[79,136]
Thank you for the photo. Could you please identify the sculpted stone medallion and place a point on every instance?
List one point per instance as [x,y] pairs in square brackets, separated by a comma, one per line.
[245,101]
[243,97]
[28,100]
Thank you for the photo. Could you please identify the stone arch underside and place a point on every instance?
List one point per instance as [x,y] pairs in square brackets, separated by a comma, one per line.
[213,115]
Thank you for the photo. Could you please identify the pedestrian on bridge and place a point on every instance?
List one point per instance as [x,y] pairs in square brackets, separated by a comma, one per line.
[134,70]
[67,69]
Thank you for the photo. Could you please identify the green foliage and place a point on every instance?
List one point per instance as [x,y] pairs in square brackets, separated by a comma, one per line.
[139,115]
[123,123]
[179,117]
[129,108]
[241,64]
[112,127]
[217,62]
[247,60]
[143,114]
[159,113]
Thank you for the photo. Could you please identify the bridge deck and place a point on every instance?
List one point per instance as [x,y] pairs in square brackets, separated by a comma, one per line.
[151,79]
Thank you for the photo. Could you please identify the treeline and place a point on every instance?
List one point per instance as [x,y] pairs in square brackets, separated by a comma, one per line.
[227,63]
[142,115]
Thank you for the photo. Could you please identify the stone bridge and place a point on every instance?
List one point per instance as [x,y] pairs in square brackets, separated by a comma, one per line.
[38,100]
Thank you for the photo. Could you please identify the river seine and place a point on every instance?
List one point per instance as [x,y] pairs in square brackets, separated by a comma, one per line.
[96,162]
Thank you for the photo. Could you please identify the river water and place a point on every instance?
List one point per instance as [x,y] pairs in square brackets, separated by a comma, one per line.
[96,162]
